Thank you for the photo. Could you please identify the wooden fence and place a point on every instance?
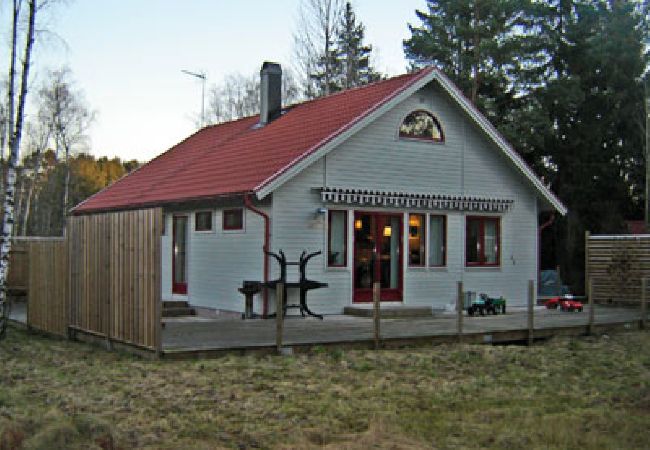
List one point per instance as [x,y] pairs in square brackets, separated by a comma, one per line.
[616,265]
[47,306]
[115,276]
[17,277]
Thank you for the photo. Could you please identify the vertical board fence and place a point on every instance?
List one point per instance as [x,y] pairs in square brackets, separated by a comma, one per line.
[616,265]
[17,277]
[115,276]
[47,307]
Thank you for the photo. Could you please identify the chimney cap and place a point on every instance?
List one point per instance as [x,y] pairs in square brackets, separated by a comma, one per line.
[271,67]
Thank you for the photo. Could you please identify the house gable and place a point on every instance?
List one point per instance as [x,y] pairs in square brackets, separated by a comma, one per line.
[447,94]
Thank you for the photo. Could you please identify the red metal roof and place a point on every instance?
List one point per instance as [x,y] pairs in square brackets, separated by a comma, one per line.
[238,157]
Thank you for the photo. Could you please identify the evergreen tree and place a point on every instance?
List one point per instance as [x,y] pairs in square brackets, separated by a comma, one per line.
[471,42]
[562,79]
[353,56]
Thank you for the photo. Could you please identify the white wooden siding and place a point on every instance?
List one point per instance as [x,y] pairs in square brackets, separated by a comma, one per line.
[467,163]
[218,261]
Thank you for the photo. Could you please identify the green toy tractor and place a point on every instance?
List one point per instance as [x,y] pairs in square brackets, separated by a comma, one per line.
[486,305]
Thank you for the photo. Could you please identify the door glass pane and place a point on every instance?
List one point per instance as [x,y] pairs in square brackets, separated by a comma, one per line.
[416,239]
[337,225]
[491,243]
[180,249]
[364,238]
[472,245]
[389,253]
[437,241]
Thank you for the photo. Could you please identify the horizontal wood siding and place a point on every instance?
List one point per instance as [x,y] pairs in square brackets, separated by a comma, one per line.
[616,266]
[218,260]
[48,305]
[466,163]
[115,276]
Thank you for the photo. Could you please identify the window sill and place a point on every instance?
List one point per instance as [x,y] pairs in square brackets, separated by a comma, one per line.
[337,269]
[482,268]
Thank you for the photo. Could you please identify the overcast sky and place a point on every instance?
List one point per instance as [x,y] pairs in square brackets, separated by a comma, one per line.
[127,56]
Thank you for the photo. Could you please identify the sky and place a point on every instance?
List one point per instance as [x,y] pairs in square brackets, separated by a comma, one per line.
[127,56]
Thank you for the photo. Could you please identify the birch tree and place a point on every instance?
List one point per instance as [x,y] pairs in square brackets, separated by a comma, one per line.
[15,114]
[314,44]
[64,111]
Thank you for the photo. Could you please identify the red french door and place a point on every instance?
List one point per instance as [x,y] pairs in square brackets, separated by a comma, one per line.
[179,255]
[377,256]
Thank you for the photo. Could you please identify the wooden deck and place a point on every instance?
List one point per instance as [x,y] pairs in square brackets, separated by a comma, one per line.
[201,337]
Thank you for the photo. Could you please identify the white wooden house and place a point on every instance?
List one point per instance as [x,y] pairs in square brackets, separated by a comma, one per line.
[402,181]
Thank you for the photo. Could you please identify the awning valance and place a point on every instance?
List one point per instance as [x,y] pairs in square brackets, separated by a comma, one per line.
[365,197]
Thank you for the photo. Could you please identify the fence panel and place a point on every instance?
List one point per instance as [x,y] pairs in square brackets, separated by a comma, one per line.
[47,307]
[115,275]
[17,277]
[616,265]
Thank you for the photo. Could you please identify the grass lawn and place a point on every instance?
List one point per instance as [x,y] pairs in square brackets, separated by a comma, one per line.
[591,392]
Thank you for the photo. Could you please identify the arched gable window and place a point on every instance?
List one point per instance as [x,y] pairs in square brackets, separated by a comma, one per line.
[421,125]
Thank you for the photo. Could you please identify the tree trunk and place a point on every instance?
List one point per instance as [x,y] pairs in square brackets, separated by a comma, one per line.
[30,193]
[16,134]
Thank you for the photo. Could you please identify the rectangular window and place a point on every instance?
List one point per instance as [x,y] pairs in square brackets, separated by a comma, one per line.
[437,241]
[203,221]
[417,225]
[482,241]
[233,219]
[337,238]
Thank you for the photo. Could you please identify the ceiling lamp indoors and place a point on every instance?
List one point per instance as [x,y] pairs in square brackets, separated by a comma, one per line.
[358,224]
[388,231]
[414,220]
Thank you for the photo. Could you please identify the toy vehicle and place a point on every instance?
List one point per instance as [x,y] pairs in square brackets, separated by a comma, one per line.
[566,303]
[484,304]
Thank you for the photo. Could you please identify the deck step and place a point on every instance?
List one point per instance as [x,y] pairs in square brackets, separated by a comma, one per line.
[178,312]
[389,311]
[175,304]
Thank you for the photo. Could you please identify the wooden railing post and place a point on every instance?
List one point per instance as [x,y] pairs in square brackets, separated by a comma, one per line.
[590,293]
[587,275]
[376,314]
[459,312]
[531,306]
[644,304]
[279,315]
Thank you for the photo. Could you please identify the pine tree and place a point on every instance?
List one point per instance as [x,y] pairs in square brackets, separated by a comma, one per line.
[353,55]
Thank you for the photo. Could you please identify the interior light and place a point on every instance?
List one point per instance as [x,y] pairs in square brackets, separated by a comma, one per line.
[388,231]
[414,221]
[357,224]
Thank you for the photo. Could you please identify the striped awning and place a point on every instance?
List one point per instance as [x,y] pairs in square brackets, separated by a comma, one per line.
[365,197]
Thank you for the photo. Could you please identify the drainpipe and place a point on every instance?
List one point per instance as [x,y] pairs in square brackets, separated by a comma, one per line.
[542,227]
[267,240]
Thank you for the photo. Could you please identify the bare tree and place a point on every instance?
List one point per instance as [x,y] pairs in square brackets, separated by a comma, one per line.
[239,96]
[14,129]
[39,139]
[314,39]
[66,114]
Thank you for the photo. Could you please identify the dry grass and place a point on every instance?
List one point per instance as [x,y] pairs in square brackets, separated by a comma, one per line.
[568,393]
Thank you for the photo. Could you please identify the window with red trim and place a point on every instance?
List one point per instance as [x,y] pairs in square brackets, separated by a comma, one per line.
[437,241]
[482,241]
[337,238]
[417,227]
[233,219]
[421,125]
[203,221]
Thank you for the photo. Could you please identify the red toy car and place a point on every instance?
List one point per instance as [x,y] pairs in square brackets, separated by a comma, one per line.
[566,303]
